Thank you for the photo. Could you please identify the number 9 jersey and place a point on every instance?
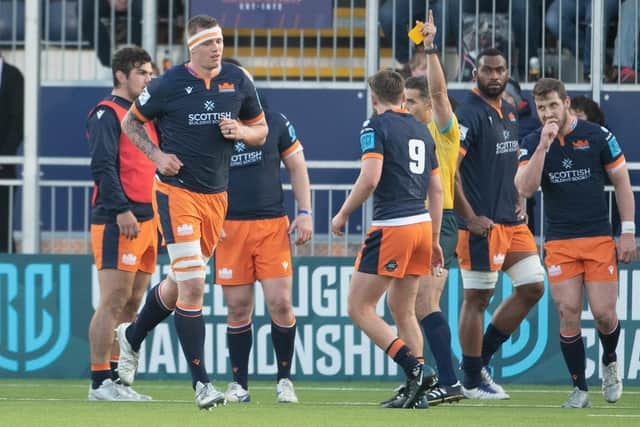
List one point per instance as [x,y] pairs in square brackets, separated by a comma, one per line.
[408,153]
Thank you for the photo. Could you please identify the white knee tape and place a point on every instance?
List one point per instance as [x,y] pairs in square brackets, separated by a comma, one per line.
[479,279]
[526,271]
[187,261]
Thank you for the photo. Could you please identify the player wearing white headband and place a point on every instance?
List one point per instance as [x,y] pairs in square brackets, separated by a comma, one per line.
[201,109]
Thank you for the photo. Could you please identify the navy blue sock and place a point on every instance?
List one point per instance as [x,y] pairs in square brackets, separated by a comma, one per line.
[609,344]
[438,334]
[190,329]
[99,373]
[283,339]
[491,342]
[153,312]
[401,354]
[574,356]
[471,367]
[239,339]
[114,369]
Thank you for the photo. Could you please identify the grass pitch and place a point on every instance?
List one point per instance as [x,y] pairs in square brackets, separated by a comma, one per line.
[64,403]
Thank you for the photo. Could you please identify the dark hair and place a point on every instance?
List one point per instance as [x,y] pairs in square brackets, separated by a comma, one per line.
[126,59]
[590,108]
[545,86]
[492,51]
[200,22]
[419,84]
[388,85]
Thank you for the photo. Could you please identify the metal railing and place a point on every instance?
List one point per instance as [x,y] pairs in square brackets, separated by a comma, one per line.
[65,211]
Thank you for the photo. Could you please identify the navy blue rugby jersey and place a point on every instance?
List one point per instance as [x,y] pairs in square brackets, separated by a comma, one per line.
[489,144]
[408,153]
[255,188]
[573,179]
[187,109]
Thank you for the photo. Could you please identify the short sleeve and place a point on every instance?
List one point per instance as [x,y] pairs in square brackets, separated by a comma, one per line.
[288,143]
[611,155]
[370,142]
[251,109]
[433,159]
[528,147]
[151,101]
[466,128]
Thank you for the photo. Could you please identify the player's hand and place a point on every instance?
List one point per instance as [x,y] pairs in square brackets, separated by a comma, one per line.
[549,132]
[167,164]
[231,129]
[521,213]
[128,225]
[429,31]
[337,223]
[304,225]
[480,225]
[222,235]
[626,248]
[437,259]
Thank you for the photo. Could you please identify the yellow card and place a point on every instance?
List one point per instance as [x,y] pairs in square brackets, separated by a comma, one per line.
[415,35]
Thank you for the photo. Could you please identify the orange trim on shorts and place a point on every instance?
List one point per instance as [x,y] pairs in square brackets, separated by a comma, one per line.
[435,171]
[256,119]
[138,114]
[286,153]
[372,156]
[614,164]
[395,347]
[100,367]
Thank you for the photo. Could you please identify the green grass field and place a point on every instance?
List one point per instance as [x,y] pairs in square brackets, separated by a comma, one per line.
[64,403]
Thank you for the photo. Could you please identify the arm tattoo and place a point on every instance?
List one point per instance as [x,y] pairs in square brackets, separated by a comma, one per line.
[136,132]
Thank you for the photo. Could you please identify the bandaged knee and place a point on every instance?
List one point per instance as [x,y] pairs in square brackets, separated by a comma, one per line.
[479,279]
[187,261]
[527,271]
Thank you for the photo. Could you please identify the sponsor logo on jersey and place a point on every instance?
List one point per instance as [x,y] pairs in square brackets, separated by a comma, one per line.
[225,273]
[506,147]
[129,259]
[226,88]
[209,106]
[185,230]
[567,163]
[571,175]
[367,141]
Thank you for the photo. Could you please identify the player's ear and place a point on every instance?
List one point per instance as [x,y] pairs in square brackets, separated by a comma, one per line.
[474,74]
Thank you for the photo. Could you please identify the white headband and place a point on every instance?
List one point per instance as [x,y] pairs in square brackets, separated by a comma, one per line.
[204,35]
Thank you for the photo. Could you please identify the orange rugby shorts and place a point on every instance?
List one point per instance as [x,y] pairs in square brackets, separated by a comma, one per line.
[595,257]
[111,250]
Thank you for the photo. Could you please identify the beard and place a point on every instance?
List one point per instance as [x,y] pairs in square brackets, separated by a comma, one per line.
[491,92]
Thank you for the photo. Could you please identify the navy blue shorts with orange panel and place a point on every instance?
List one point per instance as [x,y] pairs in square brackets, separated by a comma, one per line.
[111,250]
[396,251]
[595,257]
[487,253]
[187,216]
[253,250]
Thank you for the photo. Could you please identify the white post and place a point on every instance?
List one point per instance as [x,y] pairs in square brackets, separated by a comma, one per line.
[30,168]
[149,23]
[597,54]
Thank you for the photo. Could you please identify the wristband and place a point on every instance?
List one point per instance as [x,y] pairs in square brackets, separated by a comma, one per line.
[432,50]
[628,227]
[304,212]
